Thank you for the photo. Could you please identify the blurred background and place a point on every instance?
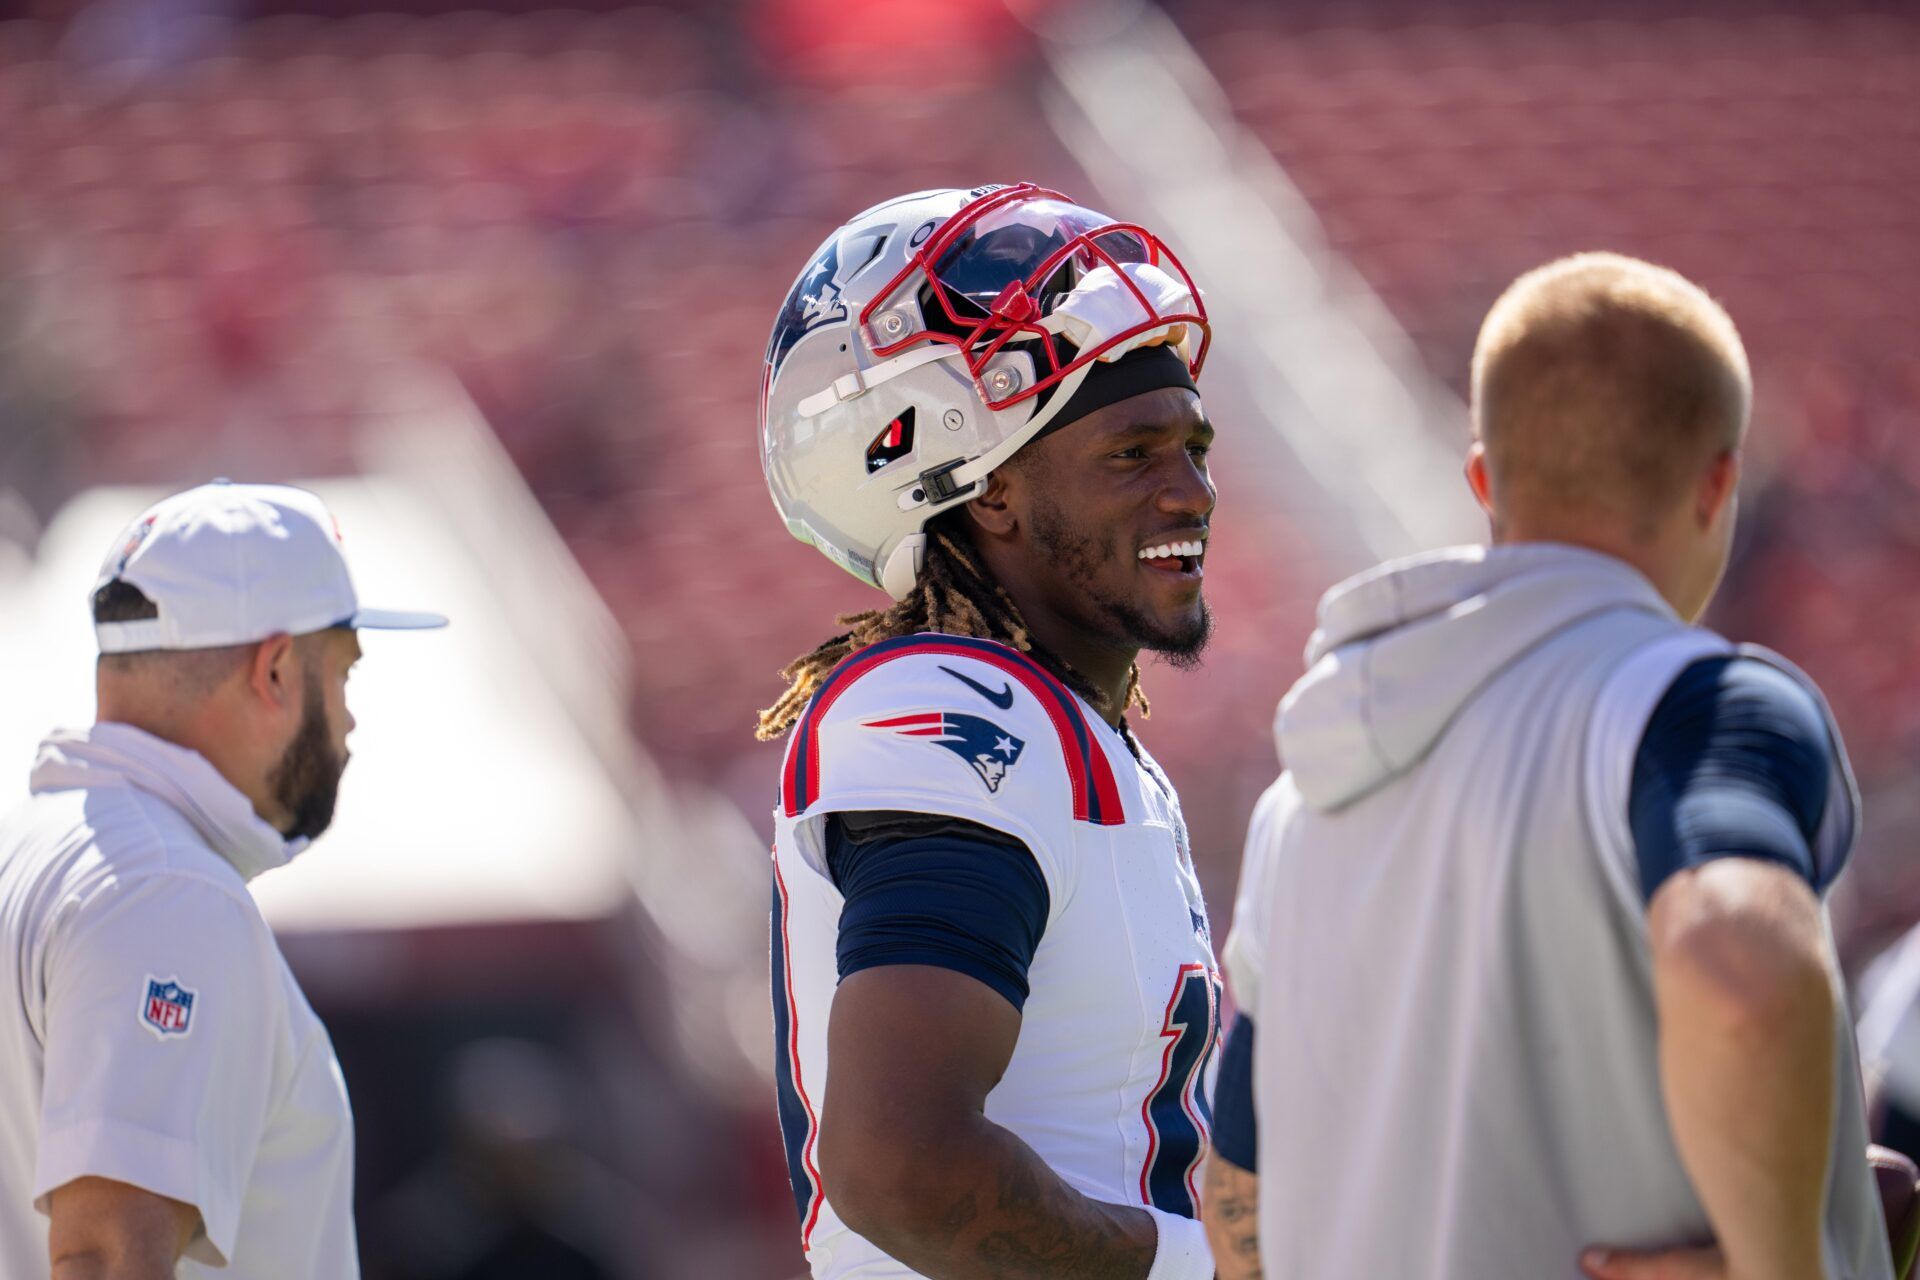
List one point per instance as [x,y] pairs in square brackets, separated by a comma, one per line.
[497,281]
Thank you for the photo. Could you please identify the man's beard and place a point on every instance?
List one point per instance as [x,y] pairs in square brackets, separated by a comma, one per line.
[1079,555]
[306,782]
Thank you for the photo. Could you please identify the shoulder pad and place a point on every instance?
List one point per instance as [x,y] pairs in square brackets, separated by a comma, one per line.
[944,714]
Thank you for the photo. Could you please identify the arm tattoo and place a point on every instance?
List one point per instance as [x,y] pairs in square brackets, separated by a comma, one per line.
[1045,1228]
[959,1215]
[1233,1220]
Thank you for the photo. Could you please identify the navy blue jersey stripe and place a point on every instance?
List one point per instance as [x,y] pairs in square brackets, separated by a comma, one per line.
[1064,700]
[1071,705]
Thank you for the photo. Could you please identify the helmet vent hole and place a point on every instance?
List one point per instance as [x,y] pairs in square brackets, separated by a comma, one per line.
[894,442]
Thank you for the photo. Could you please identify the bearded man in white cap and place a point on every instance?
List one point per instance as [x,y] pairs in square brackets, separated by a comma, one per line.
[168,1100]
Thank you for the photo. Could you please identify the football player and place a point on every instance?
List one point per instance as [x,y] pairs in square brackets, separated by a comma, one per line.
[994,990]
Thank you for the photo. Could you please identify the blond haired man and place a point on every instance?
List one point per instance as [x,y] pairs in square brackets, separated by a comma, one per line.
[1534,915]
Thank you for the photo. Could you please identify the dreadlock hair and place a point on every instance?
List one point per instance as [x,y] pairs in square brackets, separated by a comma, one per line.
[953,595]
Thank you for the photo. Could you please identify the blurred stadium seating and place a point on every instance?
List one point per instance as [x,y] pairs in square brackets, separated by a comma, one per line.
[590,218]
[1772,153]
[216,242]
[211,258]
[210,261]
[573,212]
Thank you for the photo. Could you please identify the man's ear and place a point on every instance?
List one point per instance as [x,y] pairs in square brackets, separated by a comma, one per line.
[273,672]
[1717,487]
[1477,478]
[991,510]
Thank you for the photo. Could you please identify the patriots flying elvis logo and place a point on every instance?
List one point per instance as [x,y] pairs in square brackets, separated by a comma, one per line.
[817,296]
[818,293]
[983,744]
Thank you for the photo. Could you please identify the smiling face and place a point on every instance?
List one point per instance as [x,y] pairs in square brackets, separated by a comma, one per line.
[1105,526]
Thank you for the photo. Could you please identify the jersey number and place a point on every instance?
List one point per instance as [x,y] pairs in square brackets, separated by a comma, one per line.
[1178,1113]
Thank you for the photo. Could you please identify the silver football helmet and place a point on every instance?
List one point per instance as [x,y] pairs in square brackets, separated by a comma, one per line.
[929,339]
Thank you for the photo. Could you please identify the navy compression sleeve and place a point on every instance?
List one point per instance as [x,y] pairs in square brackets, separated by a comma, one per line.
[1235,1132]
[925,889]
[1735,763]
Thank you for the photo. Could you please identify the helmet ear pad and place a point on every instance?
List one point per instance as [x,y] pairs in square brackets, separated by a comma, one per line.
[902,567]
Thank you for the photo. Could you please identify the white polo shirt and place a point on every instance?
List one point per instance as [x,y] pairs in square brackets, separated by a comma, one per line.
[150,1031]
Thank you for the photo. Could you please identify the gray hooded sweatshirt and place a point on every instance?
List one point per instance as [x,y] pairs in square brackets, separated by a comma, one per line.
[1443,941]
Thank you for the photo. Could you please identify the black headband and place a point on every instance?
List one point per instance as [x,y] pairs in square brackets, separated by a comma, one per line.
[1139,371]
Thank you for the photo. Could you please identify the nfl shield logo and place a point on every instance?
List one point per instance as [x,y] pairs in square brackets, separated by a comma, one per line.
[168,1008]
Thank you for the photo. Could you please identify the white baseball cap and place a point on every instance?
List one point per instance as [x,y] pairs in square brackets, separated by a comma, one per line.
[230,564]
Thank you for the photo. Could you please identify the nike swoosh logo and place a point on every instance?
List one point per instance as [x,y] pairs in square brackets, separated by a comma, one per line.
[1002,699]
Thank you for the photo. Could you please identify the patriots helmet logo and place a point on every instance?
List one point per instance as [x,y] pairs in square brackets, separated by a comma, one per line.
[818,294]
[818,297]
[167,1007]
[991,750]
[813,301]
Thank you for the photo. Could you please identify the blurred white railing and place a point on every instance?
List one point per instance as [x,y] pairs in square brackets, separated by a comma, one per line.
[695,863]
[1301,341]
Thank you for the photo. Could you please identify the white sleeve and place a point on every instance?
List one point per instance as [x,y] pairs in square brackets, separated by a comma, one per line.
[162,1003]
[1246,940]
[1181,1251]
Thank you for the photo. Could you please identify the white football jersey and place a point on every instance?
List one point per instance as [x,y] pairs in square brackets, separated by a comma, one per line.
[1108,1079]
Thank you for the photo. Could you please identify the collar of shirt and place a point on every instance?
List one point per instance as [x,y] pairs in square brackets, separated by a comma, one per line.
[108,754]
[1402,648]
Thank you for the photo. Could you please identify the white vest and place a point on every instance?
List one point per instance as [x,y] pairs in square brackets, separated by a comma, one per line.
[1442,939]
[1107,1080]
[150,1031]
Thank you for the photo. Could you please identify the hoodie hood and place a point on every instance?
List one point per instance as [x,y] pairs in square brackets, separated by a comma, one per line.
[1400,649]
[110,754]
